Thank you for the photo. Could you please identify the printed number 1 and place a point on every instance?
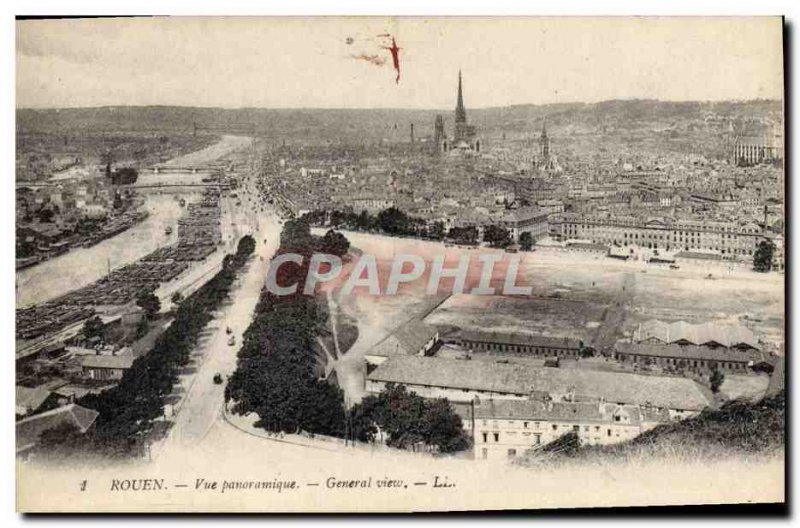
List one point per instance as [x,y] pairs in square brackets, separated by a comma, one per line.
[83,485]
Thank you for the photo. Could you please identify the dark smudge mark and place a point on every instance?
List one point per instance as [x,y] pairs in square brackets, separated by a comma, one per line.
[372,59]
[395,51]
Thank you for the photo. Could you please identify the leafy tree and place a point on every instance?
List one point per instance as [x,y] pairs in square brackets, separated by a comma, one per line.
[526,241]
[177,297]
[716,380]
[394,221]
[93,328]
[339,218]
[364,221]
[246,246]
[125,176]
[443,427]
[762,259]
[464,235]
[497,236]
[436,231]
[409,419]
[566,444]
[275,375]
[335,243]
[25,248]
[296,237]
[142,328]
[149,302]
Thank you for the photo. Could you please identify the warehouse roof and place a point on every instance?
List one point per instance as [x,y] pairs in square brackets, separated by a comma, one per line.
[698,255]
[515,338]
[109,362]
[522,380]
[697,334]
[564,411]
[687,352]
[408,339]
[524,214]
[30,399]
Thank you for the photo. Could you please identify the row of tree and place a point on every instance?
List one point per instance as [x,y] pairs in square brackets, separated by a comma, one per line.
[129,411]
[393,221]
[276,376]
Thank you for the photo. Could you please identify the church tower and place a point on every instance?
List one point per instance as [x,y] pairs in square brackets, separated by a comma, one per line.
[461,112]
[547,161]
[544,145]
[464,134]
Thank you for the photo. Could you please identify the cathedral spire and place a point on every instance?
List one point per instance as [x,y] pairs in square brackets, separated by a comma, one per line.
[544,143]
[461,113]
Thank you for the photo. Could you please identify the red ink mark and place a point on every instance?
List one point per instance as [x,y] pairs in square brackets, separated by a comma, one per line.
[377,60]
[395,51]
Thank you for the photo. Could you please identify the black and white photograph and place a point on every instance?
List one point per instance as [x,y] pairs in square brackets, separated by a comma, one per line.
[399,264]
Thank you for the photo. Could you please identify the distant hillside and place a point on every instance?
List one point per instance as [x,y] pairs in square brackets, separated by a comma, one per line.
[737,428]
[394,125]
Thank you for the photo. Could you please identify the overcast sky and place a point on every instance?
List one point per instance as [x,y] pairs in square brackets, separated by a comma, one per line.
[268,62]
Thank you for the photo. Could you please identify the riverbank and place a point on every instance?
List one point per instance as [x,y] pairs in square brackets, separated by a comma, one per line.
[82,266]
[113,227]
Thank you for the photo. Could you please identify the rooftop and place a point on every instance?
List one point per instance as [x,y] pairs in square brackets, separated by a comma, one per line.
[697,334]
[523,214]
[109,362]
[514,338]
[564,411]
[687,352]
[408,339]
[28,399]
[30,429]
[698,255]
[523,379]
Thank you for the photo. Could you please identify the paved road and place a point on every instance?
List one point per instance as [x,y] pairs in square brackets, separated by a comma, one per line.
[201,405]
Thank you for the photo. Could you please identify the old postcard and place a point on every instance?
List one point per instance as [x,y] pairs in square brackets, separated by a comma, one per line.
[356,264]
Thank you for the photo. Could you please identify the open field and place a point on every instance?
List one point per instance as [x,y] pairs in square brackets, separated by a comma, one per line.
[595,299]
[573,293]
[553,317]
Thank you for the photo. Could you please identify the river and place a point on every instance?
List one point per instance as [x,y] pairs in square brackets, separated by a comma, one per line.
[82,266]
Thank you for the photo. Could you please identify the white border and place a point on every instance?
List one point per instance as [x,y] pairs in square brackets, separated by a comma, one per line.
[789,8]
